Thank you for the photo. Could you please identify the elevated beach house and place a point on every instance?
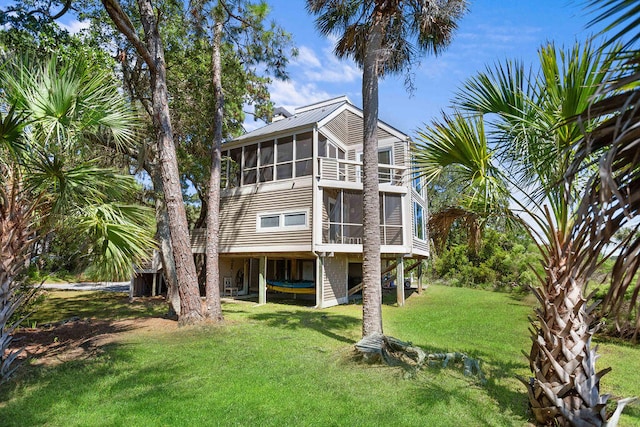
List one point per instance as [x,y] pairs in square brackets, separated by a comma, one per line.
[291,209]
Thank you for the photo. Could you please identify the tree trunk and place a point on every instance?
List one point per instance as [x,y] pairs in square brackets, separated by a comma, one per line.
[214,308]
[372,291]
[166,251]
[15,218]
[190,303]
[565,388]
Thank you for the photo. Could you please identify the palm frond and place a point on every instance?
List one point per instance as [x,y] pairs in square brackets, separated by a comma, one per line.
[64,101]
[11,133]
[613,148]
[623,17]
[503,88]
[122,236]
[68,184]
[410,28]
[460,143]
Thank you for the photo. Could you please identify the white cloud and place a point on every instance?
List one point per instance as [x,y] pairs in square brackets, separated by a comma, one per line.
[325,66]
[291,94]
[75,26]
[307,58]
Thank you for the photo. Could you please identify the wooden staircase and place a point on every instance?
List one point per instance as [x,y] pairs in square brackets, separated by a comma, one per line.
[392,267]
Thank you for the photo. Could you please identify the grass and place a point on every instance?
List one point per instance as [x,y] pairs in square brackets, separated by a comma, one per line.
[62,305]
[289,365]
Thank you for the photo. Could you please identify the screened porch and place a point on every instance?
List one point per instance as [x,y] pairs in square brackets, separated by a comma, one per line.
[342,217]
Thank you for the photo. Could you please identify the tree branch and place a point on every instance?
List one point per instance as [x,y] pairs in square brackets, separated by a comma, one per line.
[65,9]
[234,16]
[123,23]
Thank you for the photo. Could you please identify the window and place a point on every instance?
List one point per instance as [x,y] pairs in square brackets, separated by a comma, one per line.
[284,221]
[391,219]
[270,221]
[249,168]
[419,219]
[293,219]
[304,152]
[276,159]
[330,150]
[322,145]
[384,158]
[284,167]
[342,222]
[417,183]
[266,161]
[235,163]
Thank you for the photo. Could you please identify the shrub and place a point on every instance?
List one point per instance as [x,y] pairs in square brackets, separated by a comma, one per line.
[503,262]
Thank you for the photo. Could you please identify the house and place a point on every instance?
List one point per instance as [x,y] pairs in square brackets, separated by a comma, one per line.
[291,207]
[148,278]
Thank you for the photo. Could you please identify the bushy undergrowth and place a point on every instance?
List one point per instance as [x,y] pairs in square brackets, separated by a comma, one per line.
[503,262]
[621,321]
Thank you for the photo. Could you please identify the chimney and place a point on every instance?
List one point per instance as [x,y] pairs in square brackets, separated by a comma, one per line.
[280,113]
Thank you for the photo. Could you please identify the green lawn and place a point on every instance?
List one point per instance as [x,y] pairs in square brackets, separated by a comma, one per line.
[287,365]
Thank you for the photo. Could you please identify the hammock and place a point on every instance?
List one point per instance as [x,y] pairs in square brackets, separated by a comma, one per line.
[299,287]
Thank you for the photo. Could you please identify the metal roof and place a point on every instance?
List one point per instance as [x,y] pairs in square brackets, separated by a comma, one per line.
[298,120]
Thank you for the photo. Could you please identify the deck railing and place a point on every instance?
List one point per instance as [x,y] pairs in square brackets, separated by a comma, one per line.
[351,171]
[351,234]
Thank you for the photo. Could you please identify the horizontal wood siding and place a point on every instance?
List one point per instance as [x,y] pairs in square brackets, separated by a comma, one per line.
[420,245]
[338,126]
[400,153]
[348,128]
[355,131]
[334,279]
[329,169]
[393,214]
[239,213]
[354,125]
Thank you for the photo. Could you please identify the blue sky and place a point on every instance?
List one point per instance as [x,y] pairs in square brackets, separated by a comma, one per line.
[492,30]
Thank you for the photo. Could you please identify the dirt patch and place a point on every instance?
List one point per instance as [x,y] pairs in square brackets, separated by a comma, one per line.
[75,339]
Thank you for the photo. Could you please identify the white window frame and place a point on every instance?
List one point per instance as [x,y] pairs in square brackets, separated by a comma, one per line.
[281,226]
[417,205]
[360,159]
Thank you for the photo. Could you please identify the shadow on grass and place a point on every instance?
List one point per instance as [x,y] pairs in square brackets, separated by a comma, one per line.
[602,338]
[433,393]
[632,410]
[495,372]
[329,325]
[102,305]
[390,295]
[44,391]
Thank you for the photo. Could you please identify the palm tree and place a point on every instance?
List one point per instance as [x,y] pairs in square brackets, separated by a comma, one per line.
[55,113]
[529,116]
[382,37]
[462,142]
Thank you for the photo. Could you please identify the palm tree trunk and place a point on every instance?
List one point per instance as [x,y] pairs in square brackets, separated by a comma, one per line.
[565,389]
[214,308]
[14,243]
[190,303]
[372,291]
